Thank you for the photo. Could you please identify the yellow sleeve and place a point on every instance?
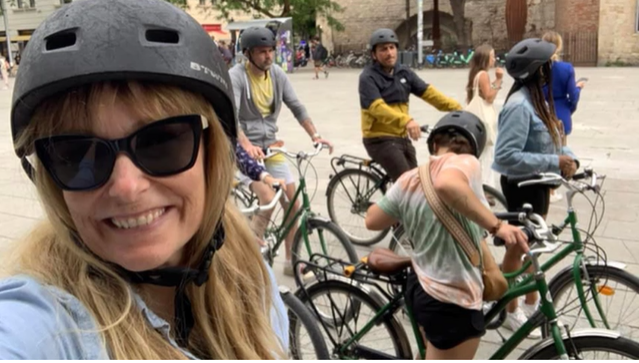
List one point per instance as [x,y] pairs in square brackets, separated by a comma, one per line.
[439,101]
[386,114]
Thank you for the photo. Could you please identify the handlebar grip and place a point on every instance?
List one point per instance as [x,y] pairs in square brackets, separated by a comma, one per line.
[425,128]
[523,178]
[500,242]
[579,176]
[509,216]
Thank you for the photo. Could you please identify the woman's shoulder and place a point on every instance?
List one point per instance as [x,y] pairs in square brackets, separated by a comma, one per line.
[39,321]
[562,66]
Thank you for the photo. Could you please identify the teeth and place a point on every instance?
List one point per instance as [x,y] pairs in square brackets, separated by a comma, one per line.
[139,221]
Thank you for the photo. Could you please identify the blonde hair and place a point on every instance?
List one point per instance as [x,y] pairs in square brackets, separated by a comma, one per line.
[231,310]
[554,37]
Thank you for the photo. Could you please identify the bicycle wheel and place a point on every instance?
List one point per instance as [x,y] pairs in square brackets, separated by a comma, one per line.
[348,196]
[580,345]
[618,291]
[323,233]
[496,199]
[241,196]
[311,347]
[325,296]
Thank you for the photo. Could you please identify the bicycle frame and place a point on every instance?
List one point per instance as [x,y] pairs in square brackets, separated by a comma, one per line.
[301,217]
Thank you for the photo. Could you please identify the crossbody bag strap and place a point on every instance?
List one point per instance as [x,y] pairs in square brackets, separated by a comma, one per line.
[447,218]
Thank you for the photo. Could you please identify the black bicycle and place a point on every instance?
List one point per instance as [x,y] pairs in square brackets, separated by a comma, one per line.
[357,184]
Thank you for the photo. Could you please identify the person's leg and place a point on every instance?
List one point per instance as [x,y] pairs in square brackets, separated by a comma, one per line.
[265,195]
[410,153]
[449,331]
[389,153]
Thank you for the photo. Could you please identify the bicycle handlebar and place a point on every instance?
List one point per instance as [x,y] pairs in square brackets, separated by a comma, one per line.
[254,210]
[535,228]
[270,152]
[548,178]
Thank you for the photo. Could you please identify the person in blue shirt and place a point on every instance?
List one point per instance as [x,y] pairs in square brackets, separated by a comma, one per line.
[529,142]
[565,91]
[123,117]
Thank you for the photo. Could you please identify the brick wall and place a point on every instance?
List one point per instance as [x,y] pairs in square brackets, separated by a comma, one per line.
[577,15]
[485,19]
[618,37]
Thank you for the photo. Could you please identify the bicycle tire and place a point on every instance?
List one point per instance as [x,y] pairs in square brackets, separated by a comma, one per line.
[314,224]
[603,343]
[392,325]
[565,280]
[339,179]
[496,195]
[299,313]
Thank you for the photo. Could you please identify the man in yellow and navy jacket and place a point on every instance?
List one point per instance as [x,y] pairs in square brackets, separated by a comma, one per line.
[384,89]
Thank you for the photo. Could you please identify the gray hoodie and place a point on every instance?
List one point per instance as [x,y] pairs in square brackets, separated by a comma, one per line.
[261,131]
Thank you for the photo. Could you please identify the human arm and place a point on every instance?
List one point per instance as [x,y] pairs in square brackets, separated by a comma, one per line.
[385,213]
[514,127]
[453,187]
[489,90]
[573,91]
[431,95]
[251,168]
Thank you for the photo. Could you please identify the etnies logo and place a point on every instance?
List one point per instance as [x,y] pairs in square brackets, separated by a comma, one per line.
[206,70]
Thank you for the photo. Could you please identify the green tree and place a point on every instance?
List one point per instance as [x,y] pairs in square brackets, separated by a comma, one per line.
[303,12]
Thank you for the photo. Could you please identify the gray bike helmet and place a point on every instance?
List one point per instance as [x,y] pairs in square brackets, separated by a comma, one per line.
[109,40]
[381,36]
[257,37]
[527,56]
[464,123]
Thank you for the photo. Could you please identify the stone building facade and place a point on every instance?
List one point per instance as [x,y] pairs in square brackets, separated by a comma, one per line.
[618,32]
[485,22]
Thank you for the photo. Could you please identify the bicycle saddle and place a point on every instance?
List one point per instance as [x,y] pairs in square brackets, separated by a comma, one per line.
[386,262]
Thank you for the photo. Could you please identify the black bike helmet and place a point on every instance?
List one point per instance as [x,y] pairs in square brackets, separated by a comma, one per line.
[527,56]
[381,36]
[108,40]
[464,123]
[257,37]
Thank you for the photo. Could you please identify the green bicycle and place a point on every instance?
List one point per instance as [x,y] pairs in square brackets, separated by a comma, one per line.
[330,241]
[359,286]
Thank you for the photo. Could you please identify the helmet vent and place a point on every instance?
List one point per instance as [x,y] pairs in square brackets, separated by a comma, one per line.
[61,40]
[522,50]
[162,36]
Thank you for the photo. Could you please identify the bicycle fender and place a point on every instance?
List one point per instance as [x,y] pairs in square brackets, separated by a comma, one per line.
[603,333]
[568,269]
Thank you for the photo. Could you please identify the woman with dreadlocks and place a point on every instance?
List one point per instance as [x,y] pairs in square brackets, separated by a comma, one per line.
[529,142]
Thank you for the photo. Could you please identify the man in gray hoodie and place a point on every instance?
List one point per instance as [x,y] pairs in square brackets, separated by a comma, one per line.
[260,88]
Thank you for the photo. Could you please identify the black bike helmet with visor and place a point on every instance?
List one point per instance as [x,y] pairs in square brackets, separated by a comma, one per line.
[527,57]
[91,41]
[463,123]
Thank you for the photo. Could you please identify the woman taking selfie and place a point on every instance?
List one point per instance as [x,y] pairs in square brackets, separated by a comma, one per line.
[124,109]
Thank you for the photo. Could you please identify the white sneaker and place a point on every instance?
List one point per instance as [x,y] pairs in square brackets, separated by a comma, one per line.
[515,320]
[529,310]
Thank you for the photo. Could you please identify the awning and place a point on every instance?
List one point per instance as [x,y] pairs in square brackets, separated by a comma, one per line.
[214,28]
[16,38]
[239,25]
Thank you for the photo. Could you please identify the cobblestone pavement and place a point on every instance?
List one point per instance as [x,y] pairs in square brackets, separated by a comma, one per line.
[604,137]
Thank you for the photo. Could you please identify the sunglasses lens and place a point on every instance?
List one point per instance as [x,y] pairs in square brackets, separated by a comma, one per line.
[76,163]
[163,148]
[166,148]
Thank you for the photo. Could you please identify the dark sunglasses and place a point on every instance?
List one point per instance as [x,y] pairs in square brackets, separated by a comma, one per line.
[162,148]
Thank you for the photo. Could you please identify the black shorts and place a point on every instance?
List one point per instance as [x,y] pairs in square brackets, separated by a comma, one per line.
[536,195]
[445,325]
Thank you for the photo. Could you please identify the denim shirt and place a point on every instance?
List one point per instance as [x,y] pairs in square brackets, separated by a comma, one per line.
[524,145]
[40,321]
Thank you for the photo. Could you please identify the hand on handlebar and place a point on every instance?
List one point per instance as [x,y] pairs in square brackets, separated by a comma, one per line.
[512,236]
[325,142]
[567,165]
[255,152]
[270,181]
[413,129]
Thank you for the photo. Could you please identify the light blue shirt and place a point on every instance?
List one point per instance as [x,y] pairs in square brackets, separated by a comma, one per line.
[39,321]
[524,145]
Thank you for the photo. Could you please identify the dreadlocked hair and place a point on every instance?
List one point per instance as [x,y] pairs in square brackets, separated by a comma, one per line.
[545,110]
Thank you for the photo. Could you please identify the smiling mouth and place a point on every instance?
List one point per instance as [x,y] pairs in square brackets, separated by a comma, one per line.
[139,221]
